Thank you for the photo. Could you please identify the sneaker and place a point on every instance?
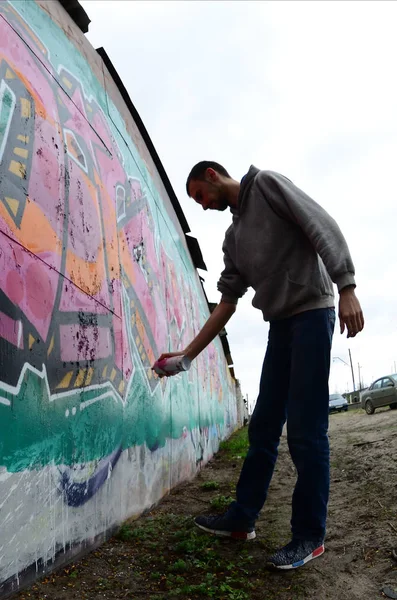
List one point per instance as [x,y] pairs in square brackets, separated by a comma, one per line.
[224,525]
[295,554]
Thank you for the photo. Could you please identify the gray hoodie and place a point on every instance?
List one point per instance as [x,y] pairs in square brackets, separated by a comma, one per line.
[285,246]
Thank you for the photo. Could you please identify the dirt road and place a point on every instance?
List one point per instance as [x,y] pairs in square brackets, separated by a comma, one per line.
[162,555]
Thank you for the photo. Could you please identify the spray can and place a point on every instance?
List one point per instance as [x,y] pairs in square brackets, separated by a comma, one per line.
[172,365]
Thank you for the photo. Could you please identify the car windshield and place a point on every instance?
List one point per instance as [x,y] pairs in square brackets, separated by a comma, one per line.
[337,396]
[395,377]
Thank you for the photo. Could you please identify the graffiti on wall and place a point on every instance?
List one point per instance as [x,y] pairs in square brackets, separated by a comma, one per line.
[91,288]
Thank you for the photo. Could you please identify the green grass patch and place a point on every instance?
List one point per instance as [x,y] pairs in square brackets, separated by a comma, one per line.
[237,445]
[221,503]
[180,566]
[188,563]
[210,485]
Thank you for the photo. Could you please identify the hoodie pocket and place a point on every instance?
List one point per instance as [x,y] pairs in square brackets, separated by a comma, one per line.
[279,295]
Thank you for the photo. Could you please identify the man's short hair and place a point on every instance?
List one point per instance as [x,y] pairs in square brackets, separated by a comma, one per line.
[198,171]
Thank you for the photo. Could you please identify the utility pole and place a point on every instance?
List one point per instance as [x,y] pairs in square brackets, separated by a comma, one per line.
[345,363]
[359,376]
[351,365]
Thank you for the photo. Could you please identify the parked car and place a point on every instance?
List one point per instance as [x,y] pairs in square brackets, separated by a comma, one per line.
[382,392]
[337,403]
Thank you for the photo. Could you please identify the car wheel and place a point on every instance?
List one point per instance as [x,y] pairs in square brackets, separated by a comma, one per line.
[369,407]
[393,406]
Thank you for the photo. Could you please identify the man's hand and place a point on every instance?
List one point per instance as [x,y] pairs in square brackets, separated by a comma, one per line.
[350,313]
[169,355]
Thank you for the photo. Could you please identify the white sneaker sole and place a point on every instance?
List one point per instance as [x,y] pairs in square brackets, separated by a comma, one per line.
[318,552]
[236,535]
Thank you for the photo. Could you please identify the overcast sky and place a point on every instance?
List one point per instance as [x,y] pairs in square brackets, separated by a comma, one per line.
[308,89]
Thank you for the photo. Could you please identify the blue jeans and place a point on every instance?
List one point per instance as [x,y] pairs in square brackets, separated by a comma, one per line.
[293,387]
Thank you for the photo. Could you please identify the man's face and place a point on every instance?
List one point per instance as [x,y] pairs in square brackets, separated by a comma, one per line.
[208,194]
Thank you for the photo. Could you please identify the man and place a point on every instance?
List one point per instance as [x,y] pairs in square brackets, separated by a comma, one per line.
[289,250]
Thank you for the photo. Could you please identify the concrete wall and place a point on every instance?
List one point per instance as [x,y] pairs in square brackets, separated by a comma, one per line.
[95,281]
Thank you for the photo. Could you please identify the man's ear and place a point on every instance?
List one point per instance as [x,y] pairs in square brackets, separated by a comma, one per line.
[211,175]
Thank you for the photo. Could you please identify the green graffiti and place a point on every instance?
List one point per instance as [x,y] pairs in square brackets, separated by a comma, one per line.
[80,427]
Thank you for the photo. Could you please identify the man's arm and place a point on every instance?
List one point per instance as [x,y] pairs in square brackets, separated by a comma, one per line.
[326,237]
[213,326]
[323,232]
[232,287]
